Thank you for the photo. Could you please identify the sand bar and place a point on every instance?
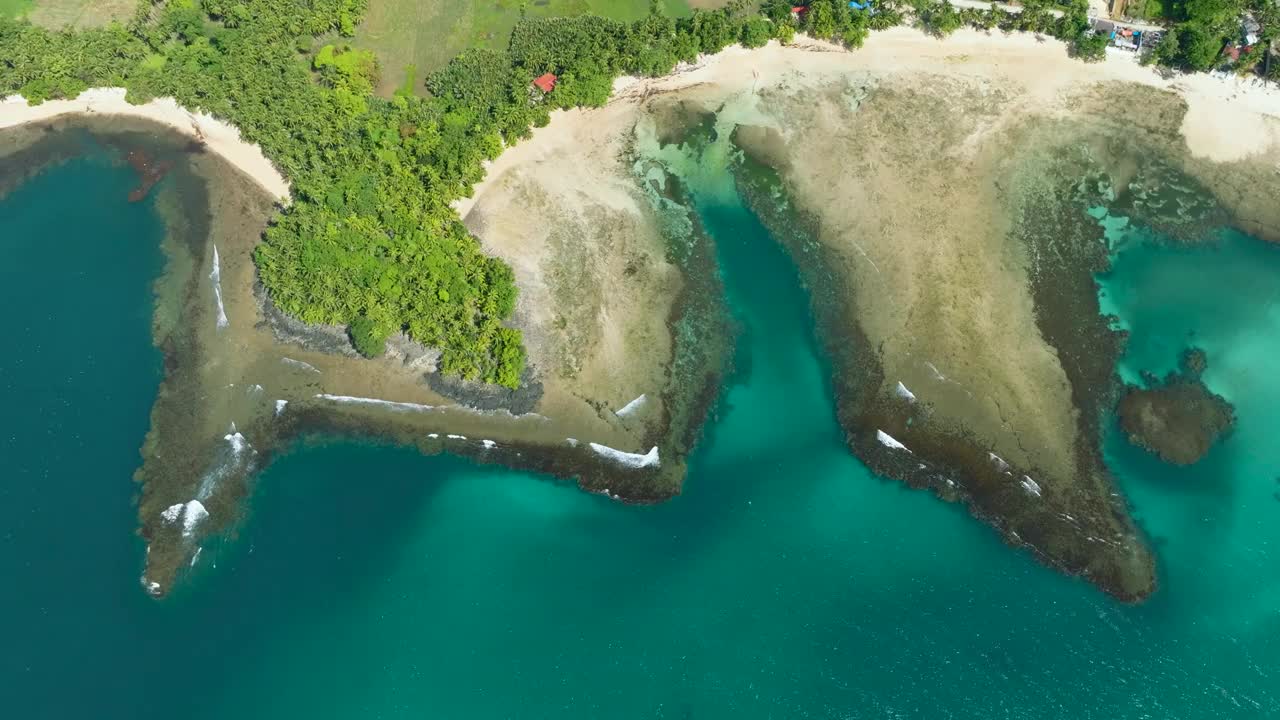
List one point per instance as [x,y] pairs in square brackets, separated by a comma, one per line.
[217,135]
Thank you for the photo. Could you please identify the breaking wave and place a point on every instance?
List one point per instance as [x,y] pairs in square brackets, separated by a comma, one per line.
[374,402]
[300,365]
[232,459]
[632,406]
[190,514]
[889,441]
[216,276]
[626,459]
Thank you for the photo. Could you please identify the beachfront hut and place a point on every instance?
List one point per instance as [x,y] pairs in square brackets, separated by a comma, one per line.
[546,83]
[1250,30]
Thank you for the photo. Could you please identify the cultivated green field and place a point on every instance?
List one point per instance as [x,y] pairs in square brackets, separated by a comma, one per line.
[69,13]
[426,33]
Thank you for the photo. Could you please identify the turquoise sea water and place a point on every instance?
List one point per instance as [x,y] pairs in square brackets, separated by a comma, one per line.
[786,582]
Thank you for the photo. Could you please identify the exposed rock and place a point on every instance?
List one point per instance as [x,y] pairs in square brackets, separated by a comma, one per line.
[484,396]
[1178,419]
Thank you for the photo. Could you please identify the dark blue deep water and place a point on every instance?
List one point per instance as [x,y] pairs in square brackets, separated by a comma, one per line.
[786,582]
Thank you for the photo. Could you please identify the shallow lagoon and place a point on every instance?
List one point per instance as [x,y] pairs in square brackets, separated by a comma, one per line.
[787,581]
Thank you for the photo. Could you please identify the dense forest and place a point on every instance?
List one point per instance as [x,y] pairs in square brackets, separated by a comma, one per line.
[370,240]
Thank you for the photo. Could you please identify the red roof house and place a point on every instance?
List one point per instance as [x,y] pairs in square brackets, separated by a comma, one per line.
[545,83]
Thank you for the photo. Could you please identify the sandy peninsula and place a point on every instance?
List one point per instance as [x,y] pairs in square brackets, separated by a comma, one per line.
[218,136]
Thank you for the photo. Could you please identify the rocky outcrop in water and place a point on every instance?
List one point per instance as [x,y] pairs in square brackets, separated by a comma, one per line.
[1178,418]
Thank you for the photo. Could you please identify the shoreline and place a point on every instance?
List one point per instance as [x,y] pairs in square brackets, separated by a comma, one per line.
[1000,90]
[218,136]
[617,242]
[1208,132]
[235,393]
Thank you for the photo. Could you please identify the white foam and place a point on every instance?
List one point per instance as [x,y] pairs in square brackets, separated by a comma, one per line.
[216,276]
[172,513]
[500,412]
[255,388]
[456,437]
[999,462]
[573,442]
[904,393]
[238,446]
[488,444]
[280,406]
[888,441]
[153,588]
[238,443]
[299,364]
[1030,485]
[632,406]
[191,513]
[937,375]
[374,402]
[632,460]
[433,435]
[196,556]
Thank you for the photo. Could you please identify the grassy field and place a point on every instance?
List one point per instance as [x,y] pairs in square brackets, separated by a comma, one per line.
[426,33]
[68,13]
[14,8]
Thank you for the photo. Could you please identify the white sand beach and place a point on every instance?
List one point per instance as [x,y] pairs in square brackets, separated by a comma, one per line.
[1228,118]
[218,136]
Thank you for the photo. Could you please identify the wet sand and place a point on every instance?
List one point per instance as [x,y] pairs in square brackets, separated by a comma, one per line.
[565,211]
[220,137]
